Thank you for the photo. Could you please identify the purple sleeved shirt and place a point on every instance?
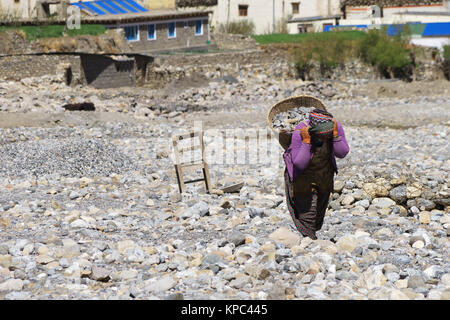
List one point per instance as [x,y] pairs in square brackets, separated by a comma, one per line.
[298,155]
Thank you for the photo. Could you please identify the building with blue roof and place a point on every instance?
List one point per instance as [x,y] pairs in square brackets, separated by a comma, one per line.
[149,31]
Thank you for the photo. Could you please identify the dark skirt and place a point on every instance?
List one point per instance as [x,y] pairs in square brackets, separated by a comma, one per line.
[307,209]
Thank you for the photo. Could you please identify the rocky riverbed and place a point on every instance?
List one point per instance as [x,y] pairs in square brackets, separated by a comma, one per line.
[90,207]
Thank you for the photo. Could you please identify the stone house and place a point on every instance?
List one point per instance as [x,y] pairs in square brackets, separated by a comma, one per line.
[386,12]
[314,16]
[149,31]
[268,16]
[320,15]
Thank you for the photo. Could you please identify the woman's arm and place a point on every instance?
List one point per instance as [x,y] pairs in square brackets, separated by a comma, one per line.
[340,145]
[300,151]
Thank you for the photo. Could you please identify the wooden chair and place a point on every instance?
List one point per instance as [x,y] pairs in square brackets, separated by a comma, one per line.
[180,166]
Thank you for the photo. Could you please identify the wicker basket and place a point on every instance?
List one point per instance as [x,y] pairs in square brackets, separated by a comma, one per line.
[284,137]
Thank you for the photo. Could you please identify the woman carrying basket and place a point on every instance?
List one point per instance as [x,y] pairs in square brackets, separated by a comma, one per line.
[310,167]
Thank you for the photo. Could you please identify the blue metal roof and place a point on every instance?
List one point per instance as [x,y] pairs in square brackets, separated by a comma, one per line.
[395,29]
[103,7]
[358,26]
[437,29]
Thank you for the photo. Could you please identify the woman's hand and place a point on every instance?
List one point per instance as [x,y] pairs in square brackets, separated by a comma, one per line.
[306,138]
[335,129]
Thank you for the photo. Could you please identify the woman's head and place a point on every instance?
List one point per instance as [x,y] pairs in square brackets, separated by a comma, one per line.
[321,123]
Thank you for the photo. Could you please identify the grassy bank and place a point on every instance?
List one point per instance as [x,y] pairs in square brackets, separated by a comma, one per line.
[56,31]
[306,37]
[390,55]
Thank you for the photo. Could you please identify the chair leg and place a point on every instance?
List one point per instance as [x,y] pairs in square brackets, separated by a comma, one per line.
[181,185]
[206,176]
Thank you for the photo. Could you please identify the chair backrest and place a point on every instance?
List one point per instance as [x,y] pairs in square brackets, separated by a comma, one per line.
[185,143]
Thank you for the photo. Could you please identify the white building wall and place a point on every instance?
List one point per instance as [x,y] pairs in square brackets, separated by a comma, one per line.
[316,26]
[436,42]
[395,19]
[23,9]
[425,8]
[314,8]
[365,12]
[394,15]
[264,13]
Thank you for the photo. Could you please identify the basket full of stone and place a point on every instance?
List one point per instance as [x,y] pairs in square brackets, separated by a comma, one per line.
[286,114]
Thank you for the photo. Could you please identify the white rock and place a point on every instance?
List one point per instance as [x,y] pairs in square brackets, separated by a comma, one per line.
[163,284]
[383,202]
[11,285]
[286,237]
[347,243]
[418,244]
[348,199]
[79,223]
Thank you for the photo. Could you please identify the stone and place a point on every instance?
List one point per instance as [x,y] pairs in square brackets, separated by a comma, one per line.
[163,284]
[11,285]
[237,238]
[125,275]
[445,279]
[434,271]
[396,294]
[277,291]
[256,212]
[5,261]
[338,186]
[383,203]
[44,259]
[398,194]
[79,223]
[348,199]
[124,245]
[201,208]
[413,192]
[424,217]
[347,243]
[416,282]
[375,190]
[425,204]
[286,237]
[100,274]
[240,282]
[392,276]
[419,244]
[401,284]
[364,203]
[226,204]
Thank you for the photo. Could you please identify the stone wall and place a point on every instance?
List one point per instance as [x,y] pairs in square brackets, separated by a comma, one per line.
[234,41]
[17,67]
[105,72]
[99,71]
[185,38]
[246,63]
[113,71]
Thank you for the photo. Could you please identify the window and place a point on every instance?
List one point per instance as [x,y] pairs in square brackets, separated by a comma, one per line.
[243,10]
[295,7]
[186,24]
[198,27]
[132,33]
[171,30]
[151,32]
